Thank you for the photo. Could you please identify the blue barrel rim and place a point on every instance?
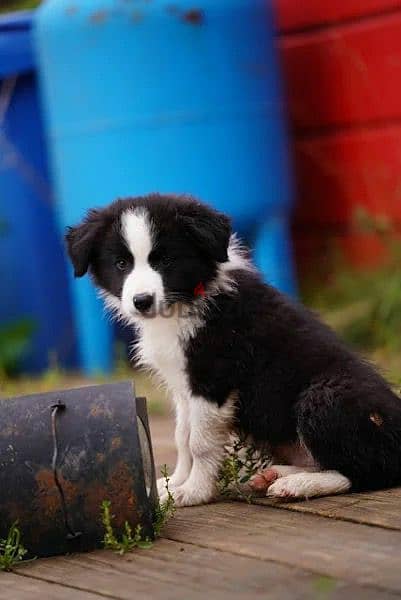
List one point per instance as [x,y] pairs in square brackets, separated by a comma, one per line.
[17,21]
[16,52]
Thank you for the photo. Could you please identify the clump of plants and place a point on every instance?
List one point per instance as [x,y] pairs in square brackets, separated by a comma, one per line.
[128,539]
[164,510]
[11,549]
[365,306]
[242,461]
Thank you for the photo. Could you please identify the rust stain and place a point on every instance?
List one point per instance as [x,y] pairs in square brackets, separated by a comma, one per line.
[99,410]
[17,512]
[98,17]
[48,497]
[193,17]
[119,492]
[376,419]
[94,496]
[100,457]
[118,489]
[116,443]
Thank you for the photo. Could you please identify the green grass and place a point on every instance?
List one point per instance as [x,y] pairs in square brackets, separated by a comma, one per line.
[241,462]
[13,5]
[15,340]
[128,540]
[323,586]
[364,307]
[164,510]
[11,549]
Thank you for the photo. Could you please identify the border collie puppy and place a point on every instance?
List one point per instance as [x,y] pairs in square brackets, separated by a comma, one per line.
[236,354]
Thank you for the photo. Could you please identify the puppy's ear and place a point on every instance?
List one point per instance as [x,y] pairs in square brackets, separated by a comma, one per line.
[81,240]
[210,231]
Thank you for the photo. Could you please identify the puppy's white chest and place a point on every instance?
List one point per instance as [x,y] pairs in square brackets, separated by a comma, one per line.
[159,348]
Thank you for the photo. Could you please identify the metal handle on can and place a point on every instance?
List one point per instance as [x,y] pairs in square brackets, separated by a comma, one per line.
[71,533]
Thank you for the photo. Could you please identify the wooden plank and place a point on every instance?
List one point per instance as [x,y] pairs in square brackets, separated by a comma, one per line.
[345,74]
[338,172]
[328,547]
[381,509]
[308,13]
[180,571]
[15,587]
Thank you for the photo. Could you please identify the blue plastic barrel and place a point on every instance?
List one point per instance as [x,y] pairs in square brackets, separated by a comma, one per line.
[33,275]
[168,96]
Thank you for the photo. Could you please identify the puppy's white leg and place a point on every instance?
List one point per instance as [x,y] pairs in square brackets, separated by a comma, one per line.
[184,456]
[309,485]
[210,427]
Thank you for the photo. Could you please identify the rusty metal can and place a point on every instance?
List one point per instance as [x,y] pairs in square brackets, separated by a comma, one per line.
[62,454]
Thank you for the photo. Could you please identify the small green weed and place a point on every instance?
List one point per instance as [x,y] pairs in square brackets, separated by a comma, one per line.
[128,540]
[324,586]
[164,510]
[11,549]
[241,463]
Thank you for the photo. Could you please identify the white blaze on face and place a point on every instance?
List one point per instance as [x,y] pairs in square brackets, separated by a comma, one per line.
[136,230]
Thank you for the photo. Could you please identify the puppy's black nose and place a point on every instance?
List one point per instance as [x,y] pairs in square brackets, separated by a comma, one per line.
[143,302]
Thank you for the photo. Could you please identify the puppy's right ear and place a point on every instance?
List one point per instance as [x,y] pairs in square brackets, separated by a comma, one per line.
[81,240]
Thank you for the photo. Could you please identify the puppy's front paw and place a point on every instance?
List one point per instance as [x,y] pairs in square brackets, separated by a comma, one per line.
[187,495]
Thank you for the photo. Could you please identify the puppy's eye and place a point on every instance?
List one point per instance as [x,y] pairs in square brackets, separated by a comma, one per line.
[121,264]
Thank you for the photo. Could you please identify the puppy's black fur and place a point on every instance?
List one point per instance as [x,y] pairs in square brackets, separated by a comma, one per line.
[295,379]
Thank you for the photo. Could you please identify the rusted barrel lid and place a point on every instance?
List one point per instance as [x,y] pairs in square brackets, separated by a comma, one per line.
[62,454]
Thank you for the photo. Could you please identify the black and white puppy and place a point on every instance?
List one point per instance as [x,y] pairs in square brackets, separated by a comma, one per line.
[237,354]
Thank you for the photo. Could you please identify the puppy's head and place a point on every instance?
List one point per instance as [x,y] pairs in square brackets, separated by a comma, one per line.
[150,252]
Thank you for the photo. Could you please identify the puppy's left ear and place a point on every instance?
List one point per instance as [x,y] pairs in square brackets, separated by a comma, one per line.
[211,232]
[81,240]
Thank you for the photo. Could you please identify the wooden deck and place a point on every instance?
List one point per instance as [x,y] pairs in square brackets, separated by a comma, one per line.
[329,548]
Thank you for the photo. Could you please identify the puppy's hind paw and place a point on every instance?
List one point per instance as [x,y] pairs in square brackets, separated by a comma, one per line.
[261,481]
[264,479]
[309,485]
